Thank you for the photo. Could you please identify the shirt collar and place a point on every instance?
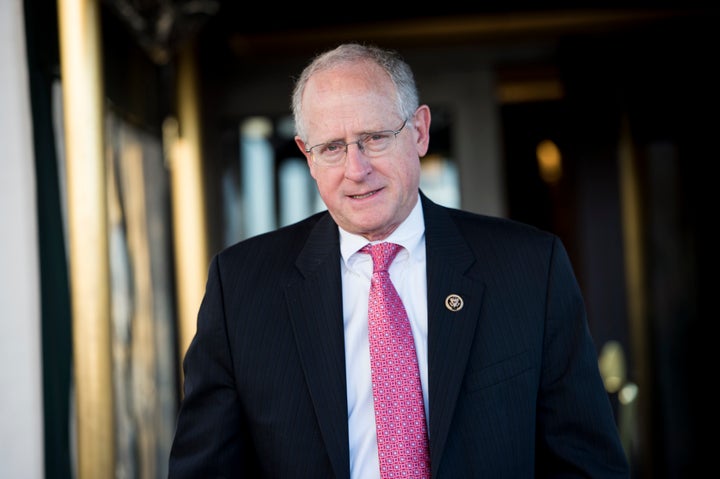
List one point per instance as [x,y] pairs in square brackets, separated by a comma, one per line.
[409,234]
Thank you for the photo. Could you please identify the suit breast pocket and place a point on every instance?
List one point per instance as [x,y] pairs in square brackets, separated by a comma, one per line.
[499,372]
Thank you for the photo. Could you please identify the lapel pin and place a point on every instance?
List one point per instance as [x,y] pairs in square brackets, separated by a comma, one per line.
[454,303]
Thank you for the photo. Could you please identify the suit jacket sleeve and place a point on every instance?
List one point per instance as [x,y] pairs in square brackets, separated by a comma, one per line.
[209,439]
[577,434]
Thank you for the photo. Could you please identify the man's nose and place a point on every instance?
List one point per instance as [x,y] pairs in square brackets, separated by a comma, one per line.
[356,163]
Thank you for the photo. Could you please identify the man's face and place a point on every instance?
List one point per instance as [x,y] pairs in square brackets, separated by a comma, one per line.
[365,196]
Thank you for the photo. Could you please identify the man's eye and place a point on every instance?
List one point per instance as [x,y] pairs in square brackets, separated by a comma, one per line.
[333,148]
[376,137]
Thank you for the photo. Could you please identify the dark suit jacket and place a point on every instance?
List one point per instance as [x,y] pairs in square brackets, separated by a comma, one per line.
[515,390]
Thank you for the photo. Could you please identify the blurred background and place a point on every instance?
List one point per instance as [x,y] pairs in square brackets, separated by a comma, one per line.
[139,137]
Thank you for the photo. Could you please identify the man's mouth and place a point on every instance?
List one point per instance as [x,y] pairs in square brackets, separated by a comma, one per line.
[363,196]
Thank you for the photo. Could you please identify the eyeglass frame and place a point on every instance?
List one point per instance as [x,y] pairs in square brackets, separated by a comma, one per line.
[358,142]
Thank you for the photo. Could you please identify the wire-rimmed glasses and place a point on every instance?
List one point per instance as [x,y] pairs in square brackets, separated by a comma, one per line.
[372,145]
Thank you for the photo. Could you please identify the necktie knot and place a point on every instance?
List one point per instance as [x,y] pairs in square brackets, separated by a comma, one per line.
[382,255]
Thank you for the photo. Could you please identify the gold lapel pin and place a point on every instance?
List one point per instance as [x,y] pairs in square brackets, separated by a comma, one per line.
[454,303]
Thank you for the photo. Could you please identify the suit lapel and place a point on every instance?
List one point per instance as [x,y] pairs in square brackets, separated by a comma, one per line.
[450,332]
[316,313]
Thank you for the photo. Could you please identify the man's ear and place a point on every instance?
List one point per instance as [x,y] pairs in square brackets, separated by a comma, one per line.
[308,156]
[421,124]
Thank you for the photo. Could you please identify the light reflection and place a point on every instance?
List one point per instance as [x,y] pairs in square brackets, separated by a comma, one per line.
[549,161]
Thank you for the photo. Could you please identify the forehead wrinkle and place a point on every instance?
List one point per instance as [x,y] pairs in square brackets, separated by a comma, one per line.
[347,108]
[356,136]
[352,127]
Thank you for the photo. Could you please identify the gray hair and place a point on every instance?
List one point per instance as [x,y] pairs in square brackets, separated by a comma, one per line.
[397,69]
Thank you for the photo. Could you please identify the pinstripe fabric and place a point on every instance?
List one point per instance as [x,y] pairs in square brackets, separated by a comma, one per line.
[514,385]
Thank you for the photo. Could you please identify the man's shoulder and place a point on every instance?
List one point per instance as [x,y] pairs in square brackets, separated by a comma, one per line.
[469,222]
[283,240]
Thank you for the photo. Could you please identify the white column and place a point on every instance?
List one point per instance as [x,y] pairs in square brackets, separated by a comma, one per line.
[258,177]
[296,187]
[21,412]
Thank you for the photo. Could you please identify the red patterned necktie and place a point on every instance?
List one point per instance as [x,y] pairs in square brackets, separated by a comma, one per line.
[397,393]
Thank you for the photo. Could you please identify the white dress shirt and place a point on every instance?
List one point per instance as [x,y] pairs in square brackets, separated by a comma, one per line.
[407,273]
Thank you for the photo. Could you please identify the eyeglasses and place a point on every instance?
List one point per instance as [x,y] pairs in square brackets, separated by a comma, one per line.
[371,145]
